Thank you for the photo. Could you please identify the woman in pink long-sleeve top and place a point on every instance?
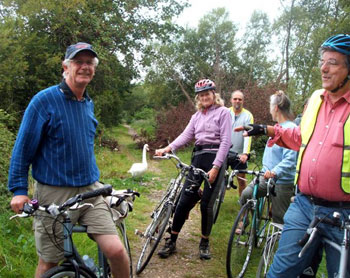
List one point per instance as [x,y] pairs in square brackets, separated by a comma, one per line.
[210,127]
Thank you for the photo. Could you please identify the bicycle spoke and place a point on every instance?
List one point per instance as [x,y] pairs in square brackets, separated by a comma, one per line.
[240,245]
[153,236]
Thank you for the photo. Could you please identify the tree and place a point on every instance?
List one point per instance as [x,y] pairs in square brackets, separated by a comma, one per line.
[204,52]
[41,30]
[257,64]
[302,27]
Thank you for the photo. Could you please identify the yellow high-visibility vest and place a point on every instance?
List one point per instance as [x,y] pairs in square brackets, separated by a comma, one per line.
[307,127]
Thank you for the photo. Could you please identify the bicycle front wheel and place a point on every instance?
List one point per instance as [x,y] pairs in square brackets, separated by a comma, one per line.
[67,271]
[263,219]
[153,236]
[267,255]
[241,242]
[124,238]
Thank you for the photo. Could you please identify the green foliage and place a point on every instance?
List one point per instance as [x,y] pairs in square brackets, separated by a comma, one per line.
[207,51]
[145,122]
[6,142]
[256,45]
[108,108]
[34,35]
[308,24]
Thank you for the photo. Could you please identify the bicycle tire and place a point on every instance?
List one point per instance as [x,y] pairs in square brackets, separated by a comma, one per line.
[124,238]
[218,201]
[267,255]
[151,240]
[67,271]
[240,246]
[262,221]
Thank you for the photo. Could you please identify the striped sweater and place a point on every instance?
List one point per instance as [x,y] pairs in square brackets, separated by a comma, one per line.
[56,137]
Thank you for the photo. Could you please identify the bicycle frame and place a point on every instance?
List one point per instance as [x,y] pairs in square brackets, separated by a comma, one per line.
[246,232]
[74,264]
[73,256]
[257,204]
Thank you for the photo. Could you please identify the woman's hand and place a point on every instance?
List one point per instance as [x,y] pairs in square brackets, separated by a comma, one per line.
[269,174]
[160,152]
[213,173]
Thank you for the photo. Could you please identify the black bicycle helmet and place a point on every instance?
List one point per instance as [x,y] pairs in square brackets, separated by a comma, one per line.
[203,85]
[339,43]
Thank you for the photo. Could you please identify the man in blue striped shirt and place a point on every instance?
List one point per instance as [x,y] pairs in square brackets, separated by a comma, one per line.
[56,138]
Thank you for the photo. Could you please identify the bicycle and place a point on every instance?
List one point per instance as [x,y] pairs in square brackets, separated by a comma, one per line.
[164,211]
[252,220]
[342,248]
[74,264]
[270,248]
[228,183]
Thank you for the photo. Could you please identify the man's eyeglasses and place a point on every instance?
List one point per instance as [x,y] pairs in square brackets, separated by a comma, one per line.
[237,99]
[330,62]
[90,63]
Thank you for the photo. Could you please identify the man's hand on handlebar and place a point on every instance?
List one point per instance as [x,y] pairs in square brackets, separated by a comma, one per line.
[18,202]
[160,152]
[243,158]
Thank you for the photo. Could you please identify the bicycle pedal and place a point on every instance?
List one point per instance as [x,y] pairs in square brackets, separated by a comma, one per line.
[233,185]
[139,233]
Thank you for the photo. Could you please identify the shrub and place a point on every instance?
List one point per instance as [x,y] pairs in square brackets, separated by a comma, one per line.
[7,139]
[170,123]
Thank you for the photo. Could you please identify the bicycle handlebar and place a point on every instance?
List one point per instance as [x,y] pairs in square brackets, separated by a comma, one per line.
[310,233]
[30,208]
[250,172]
[186,166]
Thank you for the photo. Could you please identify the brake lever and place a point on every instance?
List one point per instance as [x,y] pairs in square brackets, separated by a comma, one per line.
[79,206]
[21,215]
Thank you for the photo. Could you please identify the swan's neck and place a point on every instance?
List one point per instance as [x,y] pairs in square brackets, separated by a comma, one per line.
[144,160]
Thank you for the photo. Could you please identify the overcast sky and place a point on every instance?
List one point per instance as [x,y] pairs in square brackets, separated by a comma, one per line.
[240,10]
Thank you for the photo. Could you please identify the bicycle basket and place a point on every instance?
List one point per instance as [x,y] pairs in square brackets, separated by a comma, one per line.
[120,203]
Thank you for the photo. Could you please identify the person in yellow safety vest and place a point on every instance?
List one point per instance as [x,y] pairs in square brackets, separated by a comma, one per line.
[323,167]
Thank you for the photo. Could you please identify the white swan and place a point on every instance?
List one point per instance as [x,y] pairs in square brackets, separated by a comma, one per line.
[137,169]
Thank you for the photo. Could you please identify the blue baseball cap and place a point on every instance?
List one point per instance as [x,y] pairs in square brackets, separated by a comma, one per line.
[74,49]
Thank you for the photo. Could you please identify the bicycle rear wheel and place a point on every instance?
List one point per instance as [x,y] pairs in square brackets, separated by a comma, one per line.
[124,238]
[267,255]
[67,271]
[219,199]
[153,236]
[240,245]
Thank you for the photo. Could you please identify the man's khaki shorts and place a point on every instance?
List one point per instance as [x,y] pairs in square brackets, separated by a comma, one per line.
[97,219]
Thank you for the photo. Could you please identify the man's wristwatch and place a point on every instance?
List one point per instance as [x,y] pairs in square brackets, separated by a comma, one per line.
[216,167]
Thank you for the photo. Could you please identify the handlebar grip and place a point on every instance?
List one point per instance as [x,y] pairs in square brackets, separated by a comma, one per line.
[105,191]
[306,236]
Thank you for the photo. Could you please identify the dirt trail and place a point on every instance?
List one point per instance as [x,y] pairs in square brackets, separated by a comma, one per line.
[183,264]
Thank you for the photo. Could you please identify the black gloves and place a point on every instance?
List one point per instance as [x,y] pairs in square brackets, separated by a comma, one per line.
[253,129]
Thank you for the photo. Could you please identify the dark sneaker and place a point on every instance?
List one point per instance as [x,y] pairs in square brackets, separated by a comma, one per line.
[168,249]
[204,252]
